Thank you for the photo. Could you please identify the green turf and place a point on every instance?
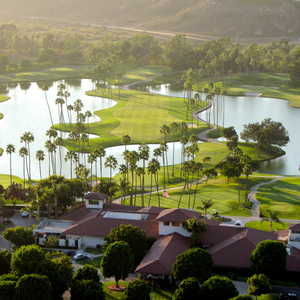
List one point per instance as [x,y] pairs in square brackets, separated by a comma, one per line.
[282,196]
[138,114]
[270,85]
[268,297]
[226,197]
[5,180]
[50,73]
[265,225]
[156,294]
[3,98]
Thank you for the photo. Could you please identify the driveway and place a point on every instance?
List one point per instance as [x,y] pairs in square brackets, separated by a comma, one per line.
[24,222]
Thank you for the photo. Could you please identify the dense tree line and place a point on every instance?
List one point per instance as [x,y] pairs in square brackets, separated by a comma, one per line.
[21,50]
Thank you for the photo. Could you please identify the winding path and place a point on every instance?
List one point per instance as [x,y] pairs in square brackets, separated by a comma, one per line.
[252,196]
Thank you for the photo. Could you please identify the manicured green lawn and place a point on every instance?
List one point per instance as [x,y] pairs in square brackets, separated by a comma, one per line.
[224,196]
[50,73]
[156,294]
[3,98]
[268,297]
[5,180]
[270,85]
[282,196]
[265,225]
[216,151]
[138,114]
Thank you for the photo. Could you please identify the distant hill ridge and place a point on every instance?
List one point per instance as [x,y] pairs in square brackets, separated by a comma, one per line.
[237,18]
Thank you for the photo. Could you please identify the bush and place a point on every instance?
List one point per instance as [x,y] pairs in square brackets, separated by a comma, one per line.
[242,297]
[87,290]
[33,287]
[218,287]
[137,290]
[215,133]
[194,262]
[7,290]
[87,272]
[264,256]
[188,289]
[5,258]
[259,284]
[19,236]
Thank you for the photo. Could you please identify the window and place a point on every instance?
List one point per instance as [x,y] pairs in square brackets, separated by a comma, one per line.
[167,223]
[176,224]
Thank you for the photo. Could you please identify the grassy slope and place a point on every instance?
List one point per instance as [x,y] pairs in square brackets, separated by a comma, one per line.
[270,85]
[225,197]
[5,180]
[138,114]
[282,196]
[265,226]
[217,152]
[156,294]
[2,99]
[50,73]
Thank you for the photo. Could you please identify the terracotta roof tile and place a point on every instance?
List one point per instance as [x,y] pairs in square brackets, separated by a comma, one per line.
[162,255]
[177,215]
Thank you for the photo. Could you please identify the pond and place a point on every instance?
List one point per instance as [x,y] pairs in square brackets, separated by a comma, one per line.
[27,110]
[243,110]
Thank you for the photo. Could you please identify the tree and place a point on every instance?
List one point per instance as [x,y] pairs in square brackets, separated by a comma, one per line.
[111,163]
[117,261]
[10,149]
[19,236]
[266,134]
[126,139]
[196,227]
[87,272]
[28,260]
[265,254]
[217,287]
[7,290]
[5,258]
[134,236]
[40,156]
[242,297]
[137,290]
[33,287]
[271,216]
[87,290]
[259,284]
[229,133]
[188,289]
[205,205]
[194,262]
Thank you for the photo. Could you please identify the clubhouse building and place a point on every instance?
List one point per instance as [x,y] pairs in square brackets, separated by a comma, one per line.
[229,246]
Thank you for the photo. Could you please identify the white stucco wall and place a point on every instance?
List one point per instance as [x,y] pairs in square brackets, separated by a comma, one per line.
[165,230]
[94,206]
[91,242]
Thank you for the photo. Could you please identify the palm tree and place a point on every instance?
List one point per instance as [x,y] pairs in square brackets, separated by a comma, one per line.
[164,148]
[144,156]
[133,158]
[70,108]
[40,156]
[174,128]
[140,173]
[60,102]
[206,204]
[45,85]
[123,181]
[59,142]
[77,106]
[51,147]
[88,114]
[153,168]
[126,139]
[91,159]
[165,131]
[111,163]
[272,216]
[10,149]
[101,154]
[23,152]
[28,138]
[70,155]
[51,134]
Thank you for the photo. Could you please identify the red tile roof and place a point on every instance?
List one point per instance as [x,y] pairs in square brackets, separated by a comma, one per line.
[293,260]
[162,255]
[95,196]
[177,215]
[235,251]
[98,226]
[295,228]
[79,214]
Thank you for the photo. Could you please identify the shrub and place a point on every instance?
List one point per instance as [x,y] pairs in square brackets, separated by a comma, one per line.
[188,289]
[259,284]
[87,290]
[7,290]
[218,287]
[194,262]
[137,290]
[5,258]
[87,272]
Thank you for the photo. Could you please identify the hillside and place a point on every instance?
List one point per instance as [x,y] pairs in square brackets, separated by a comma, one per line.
[237,18]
